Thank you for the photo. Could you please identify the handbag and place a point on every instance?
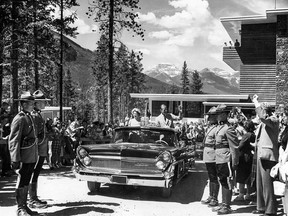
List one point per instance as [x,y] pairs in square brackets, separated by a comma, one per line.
[279,188]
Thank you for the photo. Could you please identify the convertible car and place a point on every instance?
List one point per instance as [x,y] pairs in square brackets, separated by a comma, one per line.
[138,156]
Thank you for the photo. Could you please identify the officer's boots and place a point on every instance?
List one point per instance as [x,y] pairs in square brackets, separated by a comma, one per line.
[34,202]
[208,200]
[21,199]
[226,198]
[215,192]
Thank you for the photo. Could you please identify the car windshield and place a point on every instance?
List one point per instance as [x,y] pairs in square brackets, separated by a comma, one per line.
[162,137]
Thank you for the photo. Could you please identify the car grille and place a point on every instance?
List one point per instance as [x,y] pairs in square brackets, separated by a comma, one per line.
[106,162]
[124,164]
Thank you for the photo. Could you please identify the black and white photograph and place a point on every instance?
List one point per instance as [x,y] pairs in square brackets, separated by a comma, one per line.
[143,107]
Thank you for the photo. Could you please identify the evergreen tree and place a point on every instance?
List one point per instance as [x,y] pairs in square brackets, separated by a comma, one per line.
[99,72]
[173,89]
[196,83]
[28,45]
[136,79]
[185,79]
[114,16]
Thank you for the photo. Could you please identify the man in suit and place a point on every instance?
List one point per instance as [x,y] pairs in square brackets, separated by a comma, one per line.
[166,119]
[39,104]
[267,157]
[209,157]
[23,149]
[227,157]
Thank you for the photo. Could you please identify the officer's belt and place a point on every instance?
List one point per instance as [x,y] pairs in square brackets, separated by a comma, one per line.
[222,146]
[209,145]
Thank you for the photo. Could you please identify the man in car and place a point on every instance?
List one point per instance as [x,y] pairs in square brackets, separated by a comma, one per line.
[166,119]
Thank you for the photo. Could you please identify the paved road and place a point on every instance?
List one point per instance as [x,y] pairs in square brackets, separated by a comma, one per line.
[68,196]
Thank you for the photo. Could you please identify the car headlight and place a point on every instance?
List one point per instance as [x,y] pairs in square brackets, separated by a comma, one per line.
[160,165]
[163,160]
[84,156]
[167,157]
[82,153]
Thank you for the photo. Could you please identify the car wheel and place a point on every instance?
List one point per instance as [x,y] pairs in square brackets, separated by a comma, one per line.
[93,186]
[166,192]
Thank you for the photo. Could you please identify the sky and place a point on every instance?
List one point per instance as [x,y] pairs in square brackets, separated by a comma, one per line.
[178,30]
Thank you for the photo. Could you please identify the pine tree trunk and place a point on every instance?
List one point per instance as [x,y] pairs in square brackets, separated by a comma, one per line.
[14,56]
[1,60]
[35,48]
[110,74]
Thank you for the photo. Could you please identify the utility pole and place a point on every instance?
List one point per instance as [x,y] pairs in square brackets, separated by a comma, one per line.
[111,51]
[61,65]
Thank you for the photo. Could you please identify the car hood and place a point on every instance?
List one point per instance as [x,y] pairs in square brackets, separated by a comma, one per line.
[129,149]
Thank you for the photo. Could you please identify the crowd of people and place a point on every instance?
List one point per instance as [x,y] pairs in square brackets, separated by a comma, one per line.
[240,151]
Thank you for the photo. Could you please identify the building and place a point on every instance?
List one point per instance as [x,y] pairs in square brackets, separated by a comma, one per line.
[206,101]
[262,57]
[53,112]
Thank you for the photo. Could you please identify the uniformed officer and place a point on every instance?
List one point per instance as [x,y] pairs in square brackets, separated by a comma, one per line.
[209,157]
[227,157]
[24,151]
[39,104]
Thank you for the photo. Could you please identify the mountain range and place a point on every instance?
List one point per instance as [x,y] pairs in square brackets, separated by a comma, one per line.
[215,80]
[158,79]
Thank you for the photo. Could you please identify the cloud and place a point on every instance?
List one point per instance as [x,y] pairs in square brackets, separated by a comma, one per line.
[191,20]
[160,34]
[217,35]
[144,51]
[149,17]
[260,7]
[82,26]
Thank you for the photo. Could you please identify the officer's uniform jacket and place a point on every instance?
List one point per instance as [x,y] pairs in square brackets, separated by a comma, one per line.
[209,155]
[267,136]
[22,139]
[166,121]
[41,133]
[226,145]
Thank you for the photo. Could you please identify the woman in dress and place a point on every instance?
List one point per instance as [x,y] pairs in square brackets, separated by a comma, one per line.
[244,169]
[136,119]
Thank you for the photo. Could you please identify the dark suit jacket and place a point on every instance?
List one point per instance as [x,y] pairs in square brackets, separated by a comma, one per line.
[267,136]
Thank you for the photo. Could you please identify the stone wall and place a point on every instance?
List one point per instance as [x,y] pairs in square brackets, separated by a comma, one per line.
[282,60]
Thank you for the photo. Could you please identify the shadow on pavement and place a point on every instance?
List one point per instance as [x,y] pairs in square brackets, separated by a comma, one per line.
[84,203]
[7,191]
[80,210]
[189,189]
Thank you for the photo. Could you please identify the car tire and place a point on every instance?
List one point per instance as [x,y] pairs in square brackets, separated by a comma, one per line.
[93,186]
[166,192]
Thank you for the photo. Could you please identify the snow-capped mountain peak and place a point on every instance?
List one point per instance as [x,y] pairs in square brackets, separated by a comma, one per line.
[169,69]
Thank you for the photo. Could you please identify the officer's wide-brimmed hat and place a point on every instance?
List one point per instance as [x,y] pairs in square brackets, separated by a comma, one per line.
[136,110]
[211,111]
[39,96]
[25,96]
[222,108]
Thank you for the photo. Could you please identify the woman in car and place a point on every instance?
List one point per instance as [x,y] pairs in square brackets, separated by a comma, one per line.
[136,119]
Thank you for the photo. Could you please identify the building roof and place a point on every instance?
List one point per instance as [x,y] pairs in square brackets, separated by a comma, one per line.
[192,97]
[233,24]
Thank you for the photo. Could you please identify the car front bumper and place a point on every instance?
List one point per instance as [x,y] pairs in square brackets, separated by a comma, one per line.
[121,179]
